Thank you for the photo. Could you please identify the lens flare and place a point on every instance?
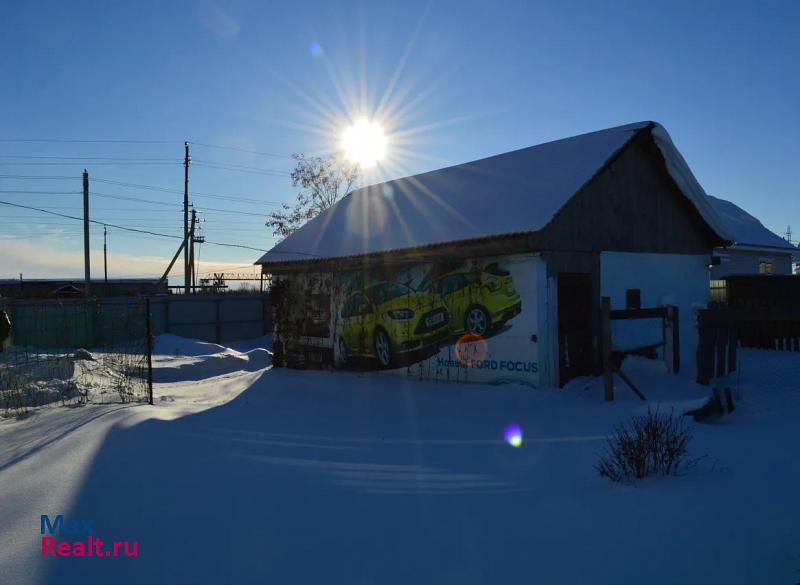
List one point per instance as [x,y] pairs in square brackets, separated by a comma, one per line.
[471,349]
[513,435]
[364,143]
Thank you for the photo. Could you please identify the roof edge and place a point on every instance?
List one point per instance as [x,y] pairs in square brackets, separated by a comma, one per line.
[687,183]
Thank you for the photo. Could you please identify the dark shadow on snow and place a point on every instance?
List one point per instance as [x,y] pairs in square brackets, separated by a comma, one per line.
[294,482]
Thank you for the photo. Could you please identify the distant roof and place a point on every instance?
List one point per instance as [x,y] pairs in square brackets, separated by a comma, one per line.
[515,192]
[746,229]
[80,280]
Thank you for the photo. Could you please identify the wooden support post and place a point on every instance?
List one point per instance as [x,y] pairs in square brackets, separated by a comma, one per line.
[733,342]
[721,336]
[149,352]
[628,381]
[87,272]
[264,310]
[187,277]
[704,348]
[676,340]
[605,332]
[218,327]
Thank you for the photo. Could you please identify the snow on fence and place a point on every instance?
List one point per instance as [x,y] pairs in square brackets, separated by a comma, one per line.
[75,351]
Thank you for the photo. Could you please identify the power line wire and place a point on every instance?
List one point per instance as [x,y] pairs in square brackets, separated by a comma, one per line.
[128,198]
[85,158]
[238,167]
[111,225]
[42,177]
[237,149]
[180,192]
[30,192]
[84,162]
[141,186]
[94,141]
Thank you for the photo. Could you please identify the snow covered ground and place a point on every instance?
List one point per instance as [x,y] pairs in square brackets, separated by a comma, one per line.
[245,474]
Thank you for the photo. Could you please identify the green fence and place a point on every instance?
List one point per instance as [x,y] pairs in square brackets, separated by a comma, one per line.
[76,351]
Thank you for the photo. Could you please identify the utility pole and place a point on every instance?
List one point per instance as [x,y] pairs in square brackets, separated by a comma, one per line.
[86,268]
[191,247]
[105,258]
[186,275]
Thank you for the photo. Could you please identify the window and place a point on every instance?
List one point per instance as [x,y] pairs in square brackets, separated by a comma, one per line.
[386,291]
[765,267]
[718,292]
[633,298]
[454,282]
[353,306]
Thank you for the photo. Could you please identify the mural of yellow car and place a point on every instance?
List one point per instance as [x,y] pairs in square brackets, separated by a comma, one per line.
[388,320]
[480,298]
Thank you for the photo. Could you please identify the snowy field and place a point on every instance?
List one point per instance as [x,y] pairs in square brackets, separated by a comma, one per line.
[245,474]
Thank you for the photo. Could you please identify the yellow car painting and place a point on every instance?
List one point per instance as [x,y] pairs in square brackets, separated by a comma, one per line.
[389,320]
[480,298]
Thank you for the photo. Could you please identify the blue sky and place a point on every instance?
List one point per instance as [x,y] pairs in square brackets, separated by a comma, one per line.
[455,81]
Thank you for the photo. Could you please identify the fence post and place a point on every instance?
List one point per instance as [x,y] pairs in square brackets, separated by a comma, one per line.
[264,302]
[605,332]
[704,348]
[721,349]
[733,342]
[149,353]
[676,340]
[218,329]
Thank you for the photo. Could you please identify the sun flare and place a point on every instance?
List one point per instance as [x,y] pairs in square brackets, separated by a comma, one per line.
[364,142]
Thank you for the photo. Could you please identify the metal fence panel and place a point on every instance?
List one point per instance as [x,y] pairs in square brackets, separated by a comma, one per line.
[213,318]
[74,351]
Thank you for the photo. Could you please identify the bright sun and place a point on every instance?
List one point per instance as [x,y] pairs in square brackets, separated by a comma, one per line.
[364,143]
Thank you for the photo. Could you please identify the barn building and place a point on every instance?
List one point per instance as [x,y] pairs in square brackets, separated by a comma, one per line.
[493,271]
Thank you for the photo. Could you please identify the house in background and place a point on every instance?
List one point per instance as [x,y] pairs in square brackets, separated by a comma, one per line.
[756,250]
[493,271]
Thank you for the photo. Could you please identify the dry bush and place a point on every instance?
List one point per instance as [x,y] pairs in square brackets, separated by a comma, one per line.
[649,444]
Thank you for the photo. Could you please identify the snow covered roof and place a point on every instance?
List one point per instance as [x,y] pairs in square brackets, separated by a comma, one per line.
[746,229]
[511,193]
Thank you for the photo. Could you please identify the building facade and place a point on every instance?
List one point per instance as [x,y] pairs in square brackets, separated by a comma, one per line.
[756,250]
[493,271]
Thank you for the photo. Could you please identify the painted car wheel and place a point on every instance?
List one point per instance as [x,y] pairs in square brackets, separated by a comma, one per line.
[383,347]
[477,321]
[342,352]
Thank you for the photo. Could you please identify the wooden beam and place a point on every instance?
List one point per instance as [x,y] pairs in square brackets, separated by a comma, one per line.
[627,380]
[605,333]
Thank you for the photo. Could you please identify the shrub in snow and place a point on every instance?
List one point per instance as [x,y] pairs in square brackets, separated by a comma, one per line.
[649,444]
[83,354]
[20,391]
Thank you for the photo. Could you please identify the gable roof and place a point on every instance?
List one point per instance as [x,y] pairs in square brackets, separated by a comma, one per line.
[745,228]
[512,193]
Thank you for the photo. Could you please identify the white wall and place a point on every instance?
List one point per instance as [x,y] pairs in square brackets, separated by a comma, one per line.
[512,355]
[735,261]
[664,279]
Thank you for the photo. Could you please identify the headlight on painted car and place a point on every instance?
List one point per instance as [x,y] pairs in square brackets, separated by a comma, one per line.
[401,313]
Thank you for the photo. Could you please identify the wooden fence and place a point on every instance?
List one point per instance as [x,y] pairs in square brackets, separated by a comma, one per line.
[721,331]
[614,355]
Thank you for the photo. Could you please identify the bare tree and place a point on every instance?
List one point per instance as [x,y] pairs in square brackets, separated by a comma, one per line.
[322,182]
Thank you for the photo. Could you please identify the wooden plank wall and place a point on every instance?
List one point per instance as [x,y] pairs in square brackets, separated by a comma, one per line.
[723,330]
